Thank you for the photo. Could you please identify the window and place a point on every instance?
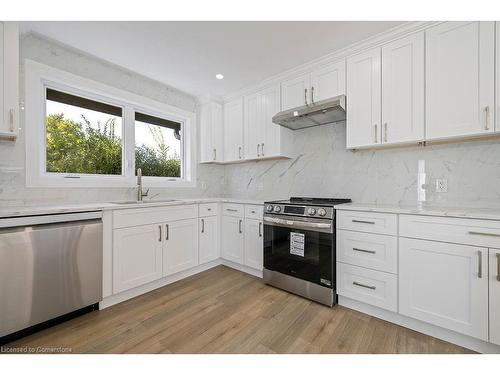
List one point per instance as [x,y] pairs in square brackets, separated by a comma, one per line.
[83,136]
[158,146]
[82,133]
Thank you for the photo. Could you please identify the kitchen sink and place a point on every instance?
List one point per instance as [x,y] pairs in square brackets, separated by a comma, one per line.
[145,201]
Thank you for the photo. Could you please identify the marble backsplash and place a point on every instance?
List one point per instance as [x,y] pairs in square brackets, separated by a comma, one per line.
[210,178]
[322,167]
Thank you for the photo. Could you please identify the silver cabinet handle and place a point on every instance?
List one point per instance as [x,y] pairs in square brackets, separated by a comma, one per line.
[215,154]
[487,117]
[260,233]
[363,221]
[498,266]
[239,152]
[258,150]
[364,251]
[239,226]
[479,264]
[312,94]
[375,133]
[364,286]
[262,149]
[167,232]
[484,233]
[305,96]
[159,228]
[202,225]
[231,210]
[11,120]
[209,209]
[385,131]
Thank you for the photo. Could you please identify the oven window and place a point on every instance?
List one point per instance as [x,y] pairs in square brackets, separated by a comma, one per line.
[283,253]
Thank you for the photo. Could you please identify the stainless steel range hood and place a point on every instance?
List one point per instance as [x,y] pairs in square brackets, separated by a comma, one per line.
[319,113]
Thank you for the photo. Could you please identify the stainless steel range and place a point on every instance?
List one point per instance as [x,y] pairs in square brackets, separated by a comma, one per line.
[299,247]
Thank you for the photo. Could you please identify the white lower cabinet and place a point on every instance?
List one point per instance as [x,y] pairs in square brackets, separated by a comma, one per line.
[232,239]
[208,228]
[445,285]
[180,248]
[254,244]
[494,277]
[369,286]
[368,250]
[137,256]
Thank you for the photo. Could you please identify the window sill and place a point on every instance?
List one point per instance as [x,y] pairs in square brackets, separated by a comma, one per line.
[106,182]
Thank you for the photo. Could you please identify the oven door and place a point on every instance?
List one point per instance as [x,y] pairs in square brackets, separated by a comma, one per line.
[300,247]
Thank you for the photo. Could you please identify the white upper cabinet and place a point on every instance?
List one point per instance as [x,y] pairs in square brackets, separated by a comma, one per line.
[403,90]
[295,92]
[323,83]
[212,135]
[328,81]
[459,79]
[271,136]
[363,99]
[9,80]
[263,138]
[233,130]
[445,285]
[494,296]
[253,125]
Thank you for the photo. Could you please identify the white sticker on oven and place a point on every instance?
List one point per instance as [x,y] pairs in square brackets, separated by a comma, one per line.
[297,244]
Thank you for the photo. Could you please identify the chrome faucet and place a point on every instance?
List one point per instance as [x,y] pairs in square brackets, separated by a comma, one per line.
[140,193]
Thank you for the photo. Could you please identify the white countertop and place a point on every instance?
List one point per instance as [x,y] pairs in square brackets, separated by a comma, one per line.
[463,212]
[19,211]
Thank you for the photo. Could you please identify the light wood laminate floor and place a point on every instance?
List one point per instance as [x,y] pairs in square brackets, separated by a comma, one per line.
[225,311]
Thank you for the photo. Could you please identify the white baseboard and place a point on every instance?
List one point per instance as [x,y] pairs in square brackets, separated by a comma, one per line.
[419,326]
[131,293]
[242,268]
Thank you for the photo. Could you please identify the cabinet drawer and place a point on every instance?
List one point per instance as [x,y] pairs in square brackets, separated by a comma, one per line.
[372,287]
[209,209]
[254,212]
[233,209]
[484,233]
[149,215]
[371,222]
[375,251]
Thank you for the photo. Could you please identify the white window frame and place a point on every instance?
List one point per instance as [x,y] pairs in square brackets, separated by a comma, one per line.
[40,76]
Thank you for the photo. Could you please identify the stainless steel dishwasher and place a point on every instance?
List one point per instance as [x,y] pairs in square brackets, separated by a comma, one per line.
[50,265]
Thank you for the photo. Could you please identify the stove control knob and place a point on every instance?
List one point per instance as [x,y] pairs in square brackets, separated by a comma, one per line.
[277,208]
[321,212]
[311,211]
[269,208]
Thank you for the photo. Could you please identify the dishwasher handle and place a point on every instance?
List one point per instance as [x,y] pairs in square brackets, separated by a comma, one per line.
[46,220]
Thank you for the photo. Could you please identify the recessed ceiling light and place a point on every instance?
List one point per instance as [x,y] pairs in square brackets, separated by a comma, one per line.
[219,76]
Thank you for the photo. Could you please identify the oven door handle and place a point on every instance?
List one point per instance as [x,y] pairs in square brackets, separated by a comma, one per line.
[306,225]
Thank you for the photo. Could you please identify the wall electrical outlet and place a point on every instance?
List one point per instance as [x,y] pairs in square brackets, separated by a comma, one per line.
[441,185]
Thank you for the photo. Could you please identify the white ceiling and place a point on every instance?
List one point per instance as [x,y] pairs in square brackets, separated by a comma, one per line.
[187,55]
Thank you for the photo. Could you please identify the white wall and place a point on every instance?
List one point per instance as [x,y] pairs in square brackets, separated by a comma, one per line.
[12,154]
[322,167]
